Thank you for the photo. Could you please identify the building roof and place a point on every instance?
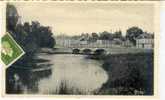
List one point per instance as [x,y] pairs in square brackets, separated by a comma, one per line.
[146,36]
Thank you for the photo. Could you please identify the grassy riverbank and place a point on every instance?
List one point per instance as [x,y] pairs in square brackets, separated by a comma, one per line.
[129,74]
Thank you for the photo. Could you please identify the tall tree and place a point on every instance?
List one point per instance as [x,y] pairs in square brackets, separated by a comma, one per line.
[106,36]
[34,35]
[132,33]
[95,36]
[118,34]
[11,17]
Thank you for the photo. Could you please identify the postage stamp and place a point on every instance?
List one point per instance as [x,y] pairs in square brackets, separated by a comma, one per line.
[10,50]
[81,48]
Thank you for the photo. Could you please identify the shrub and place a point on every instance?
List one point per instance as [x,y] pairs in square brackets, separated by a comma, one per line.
[133,72]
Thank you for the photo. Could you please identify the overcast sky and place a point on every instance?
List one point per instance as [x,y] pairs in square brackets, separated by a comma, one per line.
[77,18]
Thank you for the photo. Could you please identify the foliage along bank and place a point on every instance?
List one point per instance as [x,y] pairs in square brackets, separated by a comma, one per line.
[31,37]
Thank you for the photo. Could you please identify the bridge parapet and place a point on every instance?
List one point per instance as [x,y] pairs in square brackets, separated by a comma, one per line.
[89,50]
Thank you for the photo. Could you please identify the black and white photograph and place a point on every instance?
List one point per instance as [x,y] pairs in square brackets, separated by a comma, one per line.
[82,48]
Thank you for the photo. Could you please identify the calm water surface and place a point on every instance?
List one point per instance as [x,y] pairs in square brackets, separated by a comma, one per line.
[74,73]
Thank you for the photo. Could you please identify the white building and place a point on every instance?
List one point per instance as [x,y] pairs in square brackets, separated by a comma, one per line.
[145,41]
[127,43]
[83,42]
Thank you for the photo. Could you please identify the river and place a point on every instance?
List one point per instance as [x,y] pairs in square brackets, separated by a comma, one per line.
[70,74]
[73,73]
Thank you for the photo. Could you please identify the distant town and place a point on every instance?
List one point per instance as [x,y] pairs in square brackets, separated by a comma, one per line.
[106,40]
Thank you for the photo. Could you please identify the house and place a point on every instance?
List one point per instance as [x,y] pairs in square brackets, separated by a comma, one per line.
[145,41]
[99,42]
[83,42]
[127,43]
[117,41]
[63,41]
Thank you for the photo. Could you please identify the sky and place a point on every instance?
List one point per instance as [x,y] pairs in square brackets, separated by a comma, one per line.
[77,18]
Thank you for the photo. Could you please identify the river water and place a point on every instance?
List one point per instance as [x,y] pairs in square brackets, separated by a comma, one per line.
[72,74]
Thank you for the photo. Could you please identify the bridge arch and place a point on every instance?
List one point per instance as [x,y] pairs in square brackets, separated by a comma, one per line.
[87,51]
[76,51]
[100,51]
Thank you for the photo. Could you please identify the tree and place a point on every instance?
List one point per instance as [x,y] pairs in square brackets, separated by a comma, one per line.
[132,33]
[106,36]
[27,27]
[26,35]
[118,34]
[11,17]
[95,36]
[43,35]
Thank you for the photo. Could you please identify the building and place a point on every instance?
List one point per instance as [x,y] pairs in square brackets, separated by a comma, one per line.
[145,41]
[84,42]
[117,41]
[62,41]
[127,43]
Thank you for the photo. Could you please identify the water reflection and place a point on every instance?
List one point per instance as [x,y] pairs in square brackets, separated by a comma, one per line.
[23,81]
[73,74]
[70,74]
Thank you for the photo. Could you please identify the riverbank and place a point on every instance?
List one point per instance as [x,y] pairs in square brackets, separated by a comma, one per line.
[91,51]
[129,74]
[24,74]
[108,74]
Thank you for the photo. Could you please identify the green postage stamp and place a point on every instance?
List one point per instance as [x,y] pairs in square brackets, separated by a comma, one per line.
[11,51]
[80,49]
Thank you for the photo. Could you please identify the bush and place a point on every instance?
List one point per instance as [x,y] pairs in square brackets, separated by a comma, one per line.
[132,72]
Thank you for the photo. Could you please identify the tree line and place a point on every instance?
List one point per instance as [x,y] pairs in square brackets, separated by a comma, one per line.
[131,34]
[30,36]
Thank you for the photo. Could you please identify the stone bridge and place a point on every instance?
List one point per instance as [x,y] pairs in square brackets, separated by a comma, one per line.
[89,51]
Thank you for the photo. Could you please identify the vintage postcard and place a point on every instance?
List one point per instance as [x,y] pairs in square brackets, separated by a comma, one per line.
[80,48]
